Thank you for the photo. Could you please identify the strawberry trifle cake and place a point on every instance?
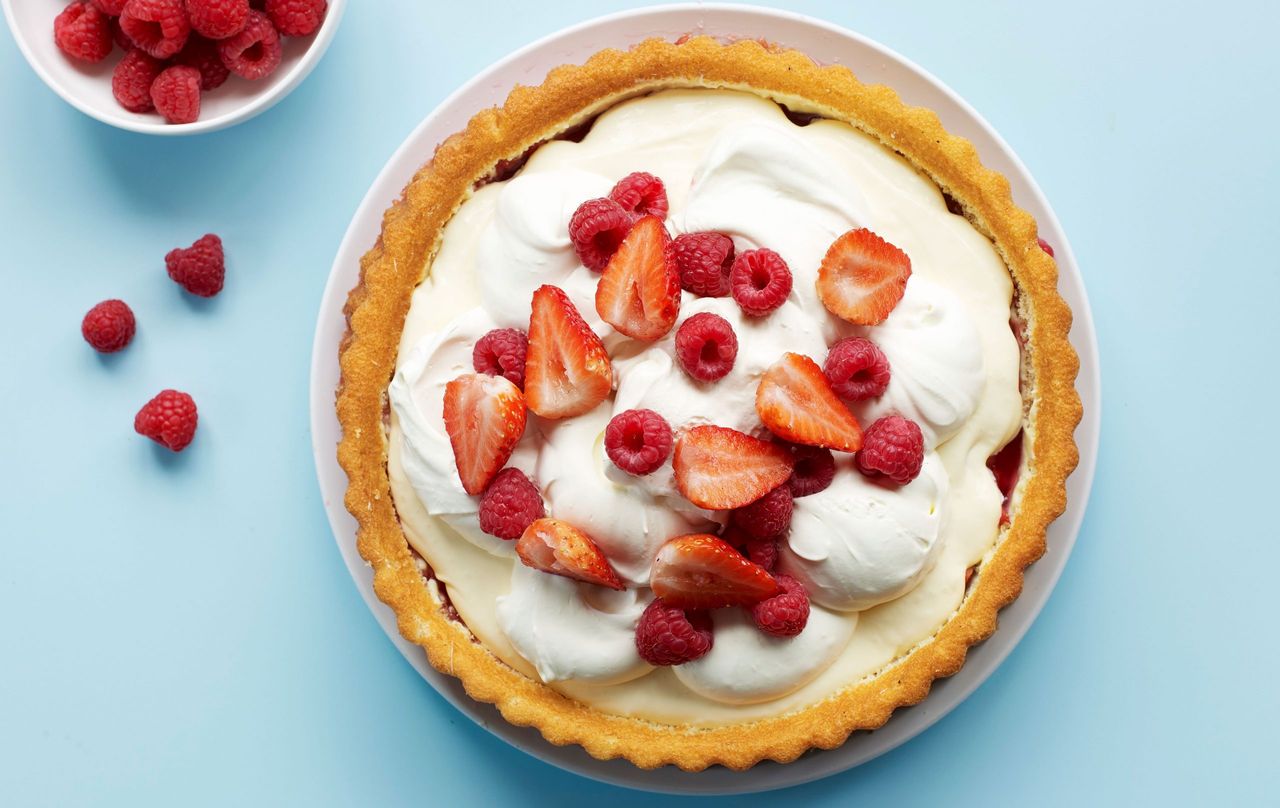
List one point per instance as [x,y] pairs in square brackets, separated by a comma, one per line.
[703,405]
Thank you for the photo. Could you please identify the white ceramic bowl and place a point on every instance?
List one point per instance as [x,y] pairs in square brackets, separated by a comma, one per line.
[826,43]
[88,87]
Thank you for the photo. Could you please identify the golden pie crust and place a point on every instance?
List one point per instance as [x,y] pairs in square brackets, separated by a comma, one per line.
[570,95]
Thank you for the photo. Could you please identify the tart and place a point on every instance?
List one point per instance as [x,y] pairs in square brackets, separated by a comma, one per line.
[695,519]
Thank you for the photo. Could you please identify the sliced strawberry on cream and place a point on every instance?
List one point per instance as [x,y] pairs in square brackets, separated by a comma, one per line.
[796,402]
[701,571]
[862,277]
[719,468]
[639,292]
[559,548]
[567,370]
[485,418]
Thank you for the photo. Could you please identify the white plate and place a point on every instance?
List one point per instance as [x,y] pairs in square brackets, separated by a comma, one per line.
[826,43]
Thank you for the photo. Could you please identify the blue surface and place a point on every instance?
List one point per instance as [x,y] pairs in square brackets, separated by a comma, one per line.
[183,629]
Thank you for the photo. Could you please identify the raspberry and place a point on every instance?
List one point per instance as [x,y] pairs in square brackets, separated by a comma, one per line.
[669,636]
[83,32]
[509,505]
[200,268]
[760,281]
[218,19]
[597,228]
[296,17]
[857,369]
[255,52]
[159,27]
[892,447]
[638,441]
[109,326]
[169,419]
[202,54]
[786,613]
[763,552]
[813,470]
[111,8]
[176,94]
[502,352]
[641,194]
[706,346]
[768,516]
[132,79]
[704,260]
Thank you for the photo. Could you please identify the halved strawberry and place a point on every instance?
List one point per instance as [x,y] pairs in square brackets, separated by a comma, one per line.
[561,549]
[567,370]
[639,292]
[862,277]
[484,416]
[720,468]
[796,402]
[700,571]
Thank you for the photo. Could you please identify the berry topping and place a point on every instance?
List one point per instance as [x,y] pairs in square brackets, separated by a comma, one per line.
[200,268]
[176,95]
[567,371]
[639,292]
[202,54]
[700,571]
[83,32]
[502,352]
[704,261]
[706,346]
[485,418]
[561,549]
[641,194]
[797,404]
[666,635]
[813,470]
[857,369]
[159,27]
[111,8]
[786,613]
[132,79]
[768,516]
[509,505]
[760,281]
[719,468]
[596,229]
[1044,245]
[862,277]
[893,447]
[169,419]
[763,552]
[218,19]
[109,326]
[297,17]
[1006,465]
[638,441]
[255,52]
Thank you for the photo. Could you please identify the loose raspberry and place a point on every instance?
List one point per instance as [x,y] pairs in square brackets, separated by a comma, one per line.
[706,346]
[202,54]
[502,352]
[768,516]
[735,537]
[132,79]
[509,505]
[813,471]
[109,326]
[786,613]
[218,19]
[763,552]
[255,52]
[641,194]
[169,419]
[704,260]
[83,32]
[638,441]
[892,447]
[760,281]
[111,8]
[296,17]
[597,229]
[857,369]
[666,635]
[176,94]
[200,268]
[159,27]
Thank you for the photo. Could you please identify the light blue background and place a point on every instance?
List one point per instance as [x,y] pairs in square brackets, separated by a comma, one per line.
[182,629]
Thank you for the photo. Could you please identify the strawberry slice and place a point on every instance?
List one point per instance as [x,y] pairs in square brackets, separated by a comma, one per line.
[567,370]
[700,571]
[862,277]
[639,292]
[796,402]
[561,549]
[719,468]
[484,416]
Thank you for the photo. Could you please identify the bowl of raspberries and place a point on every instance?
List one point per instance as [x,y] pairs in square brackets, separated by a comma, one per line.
[173,67]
